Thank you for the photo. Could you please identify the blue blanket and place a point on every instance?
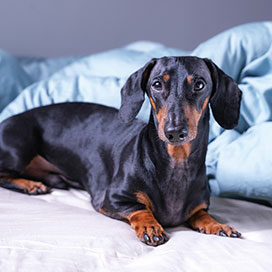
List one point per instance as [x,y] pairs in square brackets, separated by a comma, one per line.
[238,161]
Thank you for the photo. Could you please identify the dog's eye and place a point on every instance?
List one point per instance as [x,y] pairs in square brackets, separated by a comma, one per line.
[199,85]
[157,85]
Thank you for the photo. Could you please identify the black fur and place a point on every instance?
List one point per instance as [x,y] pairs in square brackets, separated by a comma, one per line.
[226,97]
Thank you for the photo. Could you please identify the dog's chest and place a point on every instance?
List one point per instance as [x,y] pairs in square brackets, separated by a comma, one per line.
[172,214]
[173,191]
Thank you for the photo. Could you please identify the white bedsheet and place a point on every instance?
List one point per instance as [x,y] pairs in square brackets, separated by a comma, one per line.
[62,232]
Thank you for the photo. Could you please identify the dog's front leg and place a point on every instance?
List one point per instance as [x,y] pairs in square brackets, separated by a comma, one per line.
[204,223]
[137,210]
[147,228]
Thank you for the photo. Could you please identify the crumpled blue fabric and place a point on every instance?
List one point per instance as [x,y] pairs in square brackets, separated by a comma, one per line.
[96,78]
[13,79]
[243,52]
[239,161]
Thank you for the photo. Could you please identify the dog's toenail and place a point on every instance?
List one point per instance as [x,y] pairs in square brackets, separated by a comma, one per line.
[146,238]
[165,237]
[222,233]
[156,238]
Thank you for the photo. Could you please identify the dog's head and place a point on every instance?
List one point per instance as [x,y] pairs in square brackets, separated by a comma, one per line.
[179,90]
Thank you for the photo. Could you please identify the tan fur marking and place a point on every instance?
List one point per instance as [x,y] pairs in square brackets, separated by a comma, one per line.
[202,206]
[179,153]
[190,79]
[152,103]
[144,199]
[144,222]
[193,116]
[166,77]
[202,221]
[161,116]
[204,106]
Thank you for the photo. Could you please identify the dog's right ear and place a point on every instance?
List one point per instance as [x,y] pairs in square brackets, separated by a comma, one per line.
[133,92]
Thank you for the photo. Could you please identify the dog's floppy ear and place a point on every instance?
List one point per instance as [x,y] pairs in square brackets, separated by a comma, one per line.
[226,97]
[133,92]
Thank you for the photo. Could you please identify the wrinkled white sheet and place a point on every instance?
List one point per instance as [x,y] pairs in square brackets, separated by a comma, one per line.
[61,232]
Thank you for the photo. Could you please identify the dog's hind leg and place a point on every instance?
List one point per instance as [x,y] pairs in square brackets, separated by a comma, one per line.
[18,146]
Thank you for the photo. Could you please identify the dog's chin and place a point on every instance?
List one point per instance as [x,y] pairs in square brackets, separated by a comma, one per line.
[178,143]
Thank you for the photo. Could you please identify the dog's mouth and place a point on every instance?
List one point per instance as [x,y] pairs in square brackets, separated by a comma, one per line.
[179,142]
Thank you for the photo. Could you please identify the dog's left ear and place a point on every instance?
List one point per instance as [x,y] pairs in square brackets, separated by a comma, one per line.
[226,97]
[133,92]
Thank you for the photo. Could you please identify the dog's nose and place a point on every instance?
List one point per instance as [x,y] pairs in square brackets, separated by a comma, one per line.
[176,134]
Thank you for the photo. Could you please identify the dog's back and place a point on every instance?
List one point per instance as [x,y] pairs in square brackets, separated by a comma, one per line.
[72,136]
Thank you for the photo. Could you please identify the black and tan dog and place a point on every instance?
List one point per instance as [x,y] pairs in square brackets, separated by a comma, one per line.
[150,175]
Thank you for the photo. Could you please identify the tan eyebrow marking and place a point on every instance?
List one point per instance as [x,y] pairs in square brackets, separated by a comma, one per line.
[166,77]
[190,79]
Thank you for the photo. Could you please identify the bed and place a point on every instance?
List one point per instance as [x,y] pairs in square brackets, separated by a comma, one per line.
[61,231]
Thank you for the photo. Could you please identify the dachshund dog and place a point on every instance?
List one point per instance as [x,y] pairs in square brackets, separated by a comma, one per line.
[149,175]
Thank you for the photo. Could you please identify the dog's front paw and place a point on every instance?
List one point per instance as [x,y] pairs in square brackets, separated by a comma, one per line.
[152,235]
[220,229]
[148,230]
[204,223]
